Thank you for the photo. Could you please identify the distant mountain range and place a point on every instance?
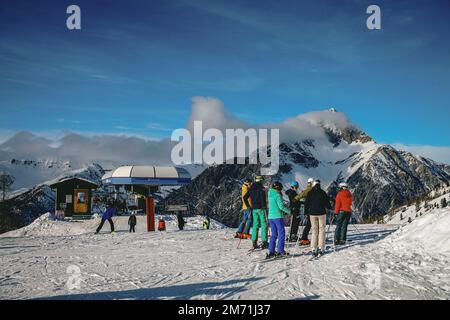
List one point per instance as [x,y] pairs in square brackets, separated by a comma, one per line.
[380,176]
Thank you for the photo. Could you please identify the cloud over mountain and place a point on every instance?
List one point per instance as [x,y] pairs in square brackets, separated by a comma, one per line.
[123,149]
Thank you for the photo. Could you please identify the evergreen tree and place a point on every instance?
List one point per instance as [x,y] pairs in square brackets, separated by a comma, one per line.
[443,203]
[6,181]
[417,205]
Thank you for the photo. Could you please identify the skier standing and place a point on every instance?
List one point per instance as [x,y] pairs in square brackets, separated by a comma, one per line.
[316,205]
[276,211]
[301,197]
[206,222]
[181,221]
[132,222]
[343,212]
[243,231]
[258,206]
[161,225]
[107,215]
[294,205]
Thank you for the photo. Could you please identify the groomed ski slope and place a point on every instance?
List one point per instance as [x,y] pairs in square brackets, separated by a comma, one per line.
[411,263]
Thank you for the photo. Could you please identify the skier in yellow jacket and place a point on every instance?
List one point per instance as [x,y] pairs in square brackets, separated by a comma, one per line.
[301,197]
[243,231]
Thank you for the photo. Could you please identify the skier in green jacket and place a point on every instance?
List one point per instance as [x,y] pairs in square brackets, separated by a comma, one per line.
[277,210]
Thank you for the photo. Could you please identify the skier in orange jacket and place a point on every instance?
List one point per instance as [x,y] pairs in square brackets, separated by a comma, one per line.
[343,212]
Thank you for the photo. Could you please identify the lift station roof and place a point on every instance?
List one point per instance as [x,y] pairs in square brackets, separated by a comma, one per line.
[147,176]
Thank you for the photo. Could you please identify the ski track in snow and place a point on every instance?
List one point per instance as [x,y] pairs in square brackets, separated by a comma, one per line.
[206,264]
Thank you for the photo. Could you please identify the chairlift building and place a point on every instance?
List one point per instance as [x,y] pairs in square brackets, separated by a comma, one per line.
[146,180]
[73,195]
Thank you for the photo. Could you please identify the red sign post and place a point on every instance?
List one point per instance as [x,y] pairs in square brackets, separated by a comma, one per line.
[150,212]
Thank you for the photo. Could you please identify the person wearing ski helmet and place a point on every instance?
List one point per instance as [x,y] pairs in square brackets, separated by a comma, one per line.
[258,206]
[301,197]
[316,205]
[243,230]
[343,212]
[294,205]
[277,210]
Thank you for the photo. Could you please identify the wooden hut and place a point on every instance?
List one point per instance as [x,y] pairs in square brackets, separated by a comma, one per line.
[73,195]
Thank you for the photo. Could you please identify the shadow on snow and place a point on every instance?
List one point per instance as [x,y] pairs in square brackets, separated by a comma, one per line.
[223,289]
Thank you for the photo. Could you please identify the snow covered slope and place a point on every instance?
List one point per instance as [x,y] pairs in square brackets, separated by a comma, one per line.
[430,232]
[379,263]
[427,204]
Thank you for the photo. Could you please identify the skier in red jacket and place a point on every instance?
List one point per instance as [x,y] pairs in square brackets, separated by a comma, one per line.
[343,212]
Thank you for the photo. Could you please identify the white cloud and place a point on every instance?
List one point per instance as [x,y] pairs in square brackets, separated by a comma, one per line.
[116,149]
[440,154]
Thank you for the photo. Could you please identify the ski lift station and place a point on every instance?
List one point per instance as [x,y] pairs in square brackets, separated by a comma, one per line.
[146,180]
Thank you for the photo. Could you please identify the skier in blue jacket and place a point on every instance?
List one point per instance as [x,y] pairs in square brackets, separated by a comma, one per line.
[107,215]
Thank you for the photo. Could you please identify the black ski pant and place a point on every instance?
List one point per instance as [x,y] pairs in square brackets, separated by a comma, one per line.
[294,225]
[342,220]
[132,228]
[111,223]
[307,228]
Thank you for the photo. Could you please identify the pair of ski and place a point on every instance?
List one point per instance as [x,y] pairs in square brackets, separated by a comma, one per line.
[281,257]
[256,250]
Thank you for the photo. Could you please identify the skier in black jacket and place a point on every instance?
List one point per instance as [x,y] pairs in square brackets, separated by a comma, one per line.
[258,205]
[316,205]
[132,222]
[294,205]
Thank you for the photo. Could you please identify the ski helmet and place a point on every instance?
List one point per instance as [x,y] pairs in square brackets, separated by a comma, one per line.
[343,185]
[294,184]
[259,179]
[310,180]
[277,185]
[316,182]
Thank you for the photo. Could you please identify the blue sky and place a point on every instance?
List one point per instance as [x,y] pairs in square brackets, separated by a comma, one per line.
[135,65]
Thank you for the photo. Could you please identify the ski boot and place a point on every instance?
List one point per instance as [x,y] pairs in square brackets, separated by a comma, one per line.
[271,255]
[282,254]
[238,235]
[255,244]
[314,253]
[264,245]
[320,252]
[305,242]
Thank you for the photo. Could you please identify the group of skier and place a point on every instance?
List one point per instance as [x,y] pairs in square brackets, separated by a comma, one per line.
[109,213]
[262,209]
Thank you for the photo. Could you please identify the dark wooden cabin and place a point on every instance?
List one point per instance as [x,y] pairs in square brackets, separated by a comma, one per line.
[73,195]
